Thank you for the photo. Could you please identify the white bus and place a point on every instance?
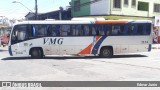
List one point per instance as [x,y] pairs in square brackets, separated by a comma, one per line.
[81,37]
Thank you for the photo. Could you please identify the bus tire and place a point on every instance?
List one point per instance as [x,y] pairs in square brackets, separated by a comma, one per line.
[36,53]
[106,52]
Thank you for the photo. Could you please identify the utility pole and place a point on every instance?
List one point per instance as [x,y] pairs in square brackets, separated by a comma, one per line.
[36,10]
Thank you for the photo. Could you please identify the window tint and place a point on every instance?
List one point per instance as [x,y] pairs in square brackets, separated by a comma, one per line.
[138,29]
[41,30]
[115,29]
[107,30]
[148,28]
[19,33]
[86,30]
[145,29]
[94,30]
[77,30]
[132,29]
[100,30]
[80,30]
[51,31]
[121,29]
[31,32]
[65,30]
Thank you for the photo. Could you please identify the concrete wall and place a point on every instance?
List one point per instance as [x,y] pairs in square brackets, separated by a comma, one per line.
[84,9]
[133,11]
[105,7]
[101,7]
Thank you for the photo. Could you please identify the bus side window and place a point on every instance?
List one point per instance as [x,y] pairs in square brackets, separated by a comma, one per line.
[21,35]
[146,29]
[94,31]
[65,30]
[41,30]
[106,30]
[100,29]
[86,30]
[123,29]
[78,30]
[51,30]
[115,29]
[34,30]
[73,30]
[57,29]
[31,32]
[140,29]
[133,29]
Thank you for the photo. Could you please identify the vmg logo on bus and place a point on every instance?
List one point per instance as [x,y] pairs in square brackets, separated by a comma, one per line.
[52,41]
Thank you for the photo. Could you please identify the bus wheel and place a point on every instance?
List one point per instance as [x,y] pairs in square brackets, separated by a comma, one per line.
[36,53]
[106,52]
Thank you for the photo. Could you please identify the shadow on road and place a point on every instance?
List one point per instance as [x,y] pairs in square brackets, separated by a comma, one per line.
[72,57]
[129,56]
[3,50]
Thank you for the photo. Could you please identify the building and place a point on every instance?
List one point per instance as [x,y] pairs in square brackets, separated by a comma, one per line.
[5,21]
[30,16]
[116,9]
[58,15]
[120,9]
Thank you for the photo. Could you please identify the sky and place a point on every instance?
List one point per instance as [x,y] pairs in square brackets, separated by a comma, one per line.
[18,11]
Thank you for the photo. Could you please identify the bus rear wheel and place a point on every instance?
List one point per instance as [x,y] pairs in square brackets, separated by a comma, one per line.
[36,53]
[106,52]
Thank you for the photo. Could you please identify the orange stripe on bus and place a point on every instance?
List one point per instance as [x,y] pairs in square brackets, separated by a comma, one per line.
[87,50]
[98,37]
[111,22]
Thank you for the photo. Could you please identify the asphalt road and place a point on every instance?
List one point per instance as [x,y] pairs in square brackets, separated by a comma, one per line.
[132,67]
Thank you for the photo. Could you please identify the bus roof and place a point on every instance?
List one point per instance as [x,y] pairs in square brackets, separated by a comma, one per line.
[84,22]
[121,21]
[56,22]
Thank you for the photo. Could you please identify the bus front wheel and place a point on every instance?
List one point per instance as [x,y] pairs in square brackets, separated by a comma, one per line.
[106,52]
[36,53]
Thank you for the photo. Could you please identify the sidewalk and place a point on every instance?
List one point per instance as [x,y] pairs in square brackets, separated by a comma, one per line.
[155,46]
[3,48]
